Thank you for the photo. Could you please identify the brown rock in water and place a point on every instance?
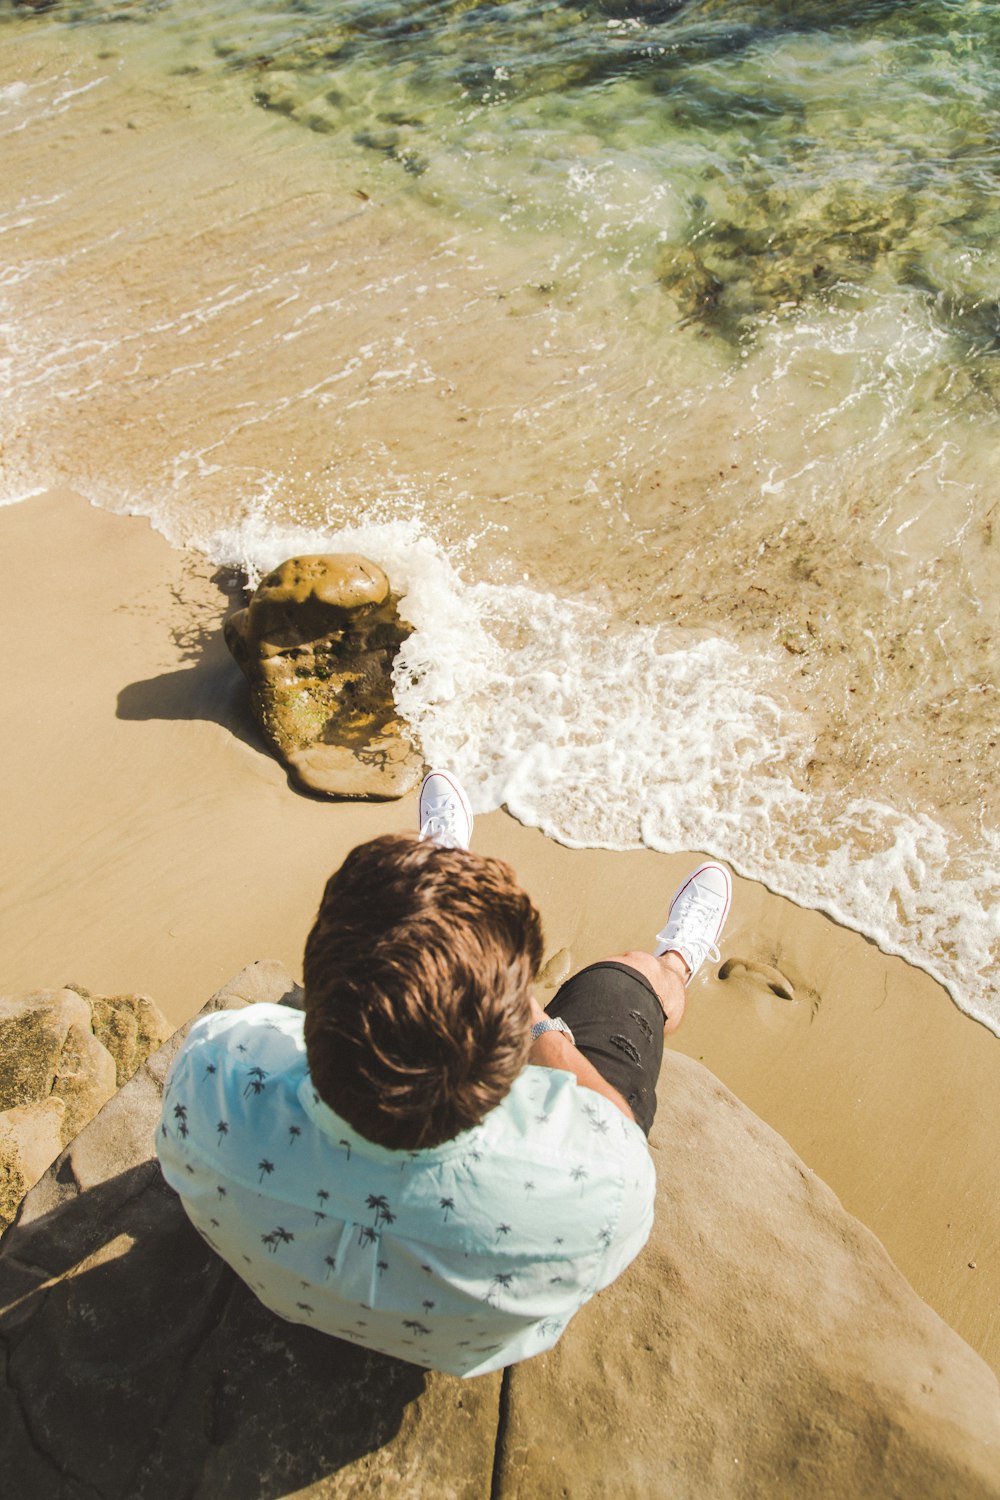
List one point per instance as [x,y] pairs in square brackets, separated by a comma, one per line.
[762,1347]
[316,644]
[64,1053]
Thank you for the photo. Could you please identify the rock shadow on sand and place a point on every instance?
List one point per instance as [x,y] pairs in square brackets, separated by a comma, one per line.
[211,687]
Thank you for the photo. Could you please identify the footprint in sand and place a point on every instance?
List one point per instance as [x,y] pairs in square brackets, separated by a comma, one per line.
[555,969]
[773,978]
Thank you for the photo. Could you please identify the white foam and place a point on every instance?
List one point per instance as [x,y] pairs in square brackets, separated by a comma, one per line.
[615,738]
[22,104]
[19,497]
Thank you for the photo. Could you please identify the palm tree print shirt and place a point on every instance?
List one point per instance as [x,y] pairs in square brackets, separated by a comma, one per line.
[462,1258]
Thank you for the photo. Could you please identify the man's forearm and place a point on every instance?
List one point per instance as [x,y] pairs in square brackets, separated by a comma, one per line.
[553,1049]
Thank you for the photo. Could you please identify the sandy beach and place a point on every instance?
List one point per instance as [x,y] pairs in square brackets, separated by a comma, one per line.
[152,845]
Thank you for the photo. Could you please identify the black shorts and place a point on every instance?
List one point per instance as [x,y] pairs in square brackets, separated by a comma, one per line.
[617,1023]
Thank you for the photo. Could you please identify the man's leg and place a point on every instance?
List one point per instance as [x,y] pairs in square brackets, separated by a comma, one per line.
[668,974]
[617,1021]
[620,1010]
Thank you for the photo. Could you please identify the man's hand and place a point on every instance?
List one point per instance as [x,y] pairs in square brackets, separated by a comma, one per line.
[537,1014]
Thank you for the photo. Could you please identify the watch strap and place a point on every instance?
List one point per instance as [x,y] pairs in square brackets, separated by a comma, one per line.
[550,1023]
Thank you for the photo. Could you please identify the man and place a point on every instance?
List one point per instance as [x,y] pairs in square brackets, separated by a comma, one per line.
[426,1162]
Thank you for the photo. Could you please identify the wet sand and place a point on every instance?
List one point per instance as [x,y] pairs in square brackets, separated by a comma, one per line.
[153,845]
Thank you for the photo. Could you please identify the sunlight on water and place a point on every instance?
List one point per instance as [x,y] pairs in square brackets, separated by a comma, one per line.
[675,326]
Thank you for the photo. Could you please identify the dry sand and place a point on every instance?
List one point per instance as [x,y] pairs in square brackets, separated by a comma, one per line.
[152,845]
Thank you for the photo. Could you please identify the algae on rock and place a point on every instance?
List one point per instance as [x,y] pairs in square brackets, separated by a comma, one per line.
[316,644]
[65,1053]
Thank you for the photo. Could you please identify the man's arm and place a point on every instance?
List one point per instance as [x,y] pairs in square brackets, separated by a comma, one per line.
[553,1049]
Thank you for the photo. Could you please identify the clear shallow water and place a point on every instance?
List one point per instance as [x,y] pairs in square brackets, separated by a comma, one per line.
[658,345]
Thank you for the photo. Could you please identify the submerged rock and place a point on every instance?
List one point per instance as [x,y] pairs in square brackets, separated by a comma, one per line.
[316,644]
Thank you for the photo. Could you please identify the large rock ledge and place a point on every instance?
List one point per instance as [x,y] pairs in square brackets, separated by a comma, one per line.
[763,1345]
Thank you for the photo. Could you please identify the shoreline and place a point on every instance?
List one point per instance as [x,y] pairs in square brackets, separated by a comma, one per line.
[155,846]
[382,363]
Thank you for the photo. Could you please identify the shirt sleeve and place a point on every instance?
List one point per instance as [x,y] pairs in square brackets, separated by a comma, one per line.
[638,1202]
[170,1125]
[173,1131]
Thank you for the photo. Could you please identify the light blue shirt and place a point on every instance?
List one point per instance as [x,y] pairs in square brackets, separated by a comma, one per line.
[462,1258]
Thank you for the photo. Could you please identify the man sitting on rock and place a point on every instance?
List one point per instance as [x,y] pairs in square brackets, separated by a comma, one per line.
[426,1162]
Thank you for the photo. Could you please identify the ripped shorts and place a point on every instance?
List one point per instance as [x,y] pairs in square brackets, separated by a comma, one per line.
[617,1023]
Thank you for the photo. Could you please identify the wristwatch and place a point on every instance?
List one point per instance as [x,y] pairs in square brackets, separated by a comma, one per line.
[551,1023]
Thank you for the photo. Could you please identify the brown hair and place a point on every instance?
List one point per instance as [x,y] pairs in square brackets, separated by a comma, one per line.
[416,989]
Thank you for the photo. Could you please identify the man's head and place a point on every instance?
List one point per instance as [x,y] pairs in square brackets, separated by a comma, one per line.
[417,973]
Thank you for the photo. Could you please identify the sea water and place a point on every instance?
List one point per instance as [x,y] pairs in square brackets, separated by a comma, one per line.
[651,347]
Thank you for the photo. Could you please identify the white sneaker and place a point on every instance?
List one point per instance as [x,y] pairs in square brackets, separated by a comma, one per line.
[696,917]
[445,814]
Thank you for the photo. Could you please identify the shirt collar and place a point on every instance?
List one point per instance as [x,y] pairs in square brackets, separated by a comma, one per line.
[331,1124]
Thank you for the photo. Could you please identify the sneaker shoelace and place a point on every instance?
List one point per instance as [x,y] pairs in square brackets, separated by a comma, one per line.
[694,905]
[441,820]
